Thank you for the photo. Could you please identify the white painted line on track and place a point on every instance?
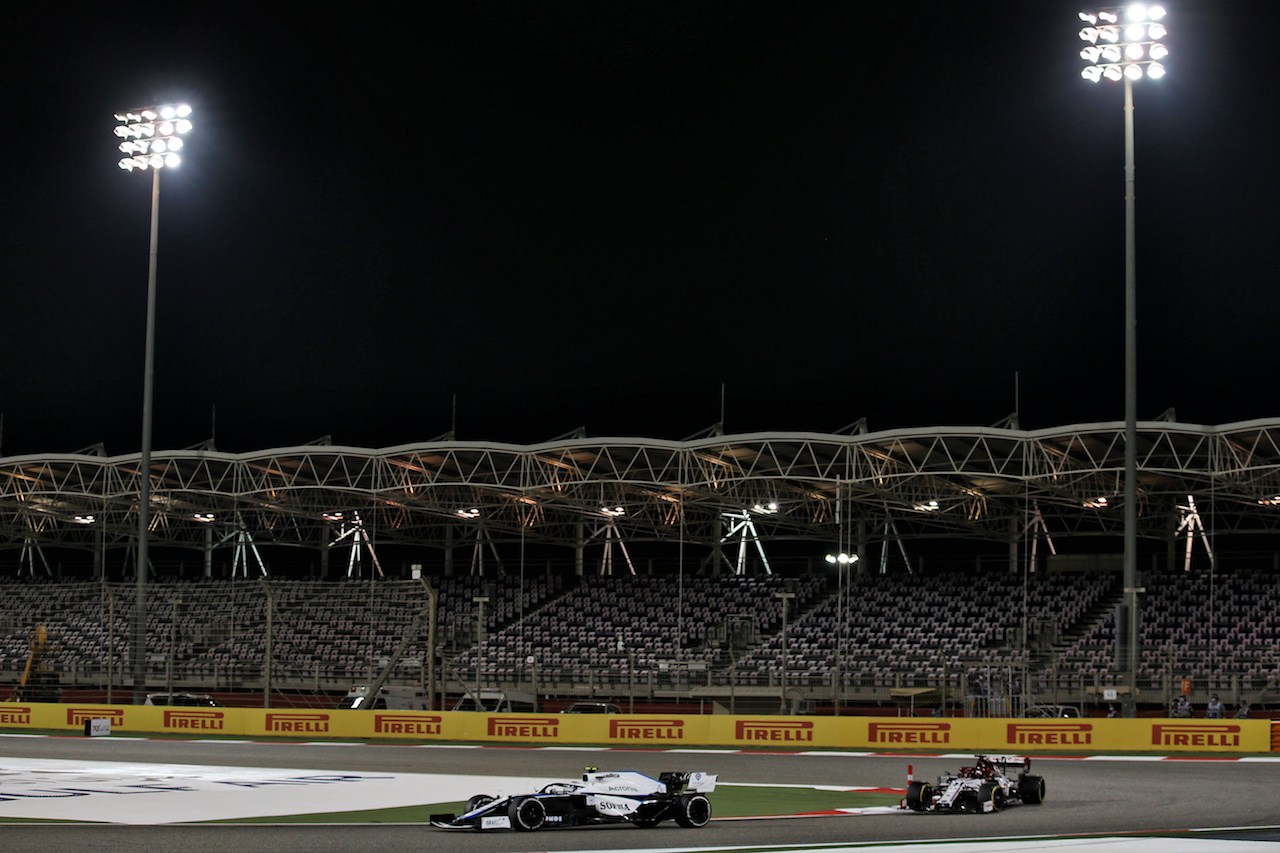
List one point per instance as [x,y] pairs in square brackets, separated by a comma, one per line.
[141,793]
[1103,844]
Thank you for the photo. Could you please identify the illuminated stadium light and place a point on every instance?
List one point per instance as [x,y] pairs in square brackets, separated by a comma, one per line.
[150,145]
[472,512]
[927,506]
[842,558]
[84,519]
[332,516]
[155,137]
[765,509]
[202,517]
[1129,51]
[613,511]
[1096,503]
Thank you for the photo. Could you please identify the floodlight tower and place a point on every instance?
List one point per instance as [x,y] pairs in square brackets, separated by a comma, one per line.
[150,139]
[1126,44]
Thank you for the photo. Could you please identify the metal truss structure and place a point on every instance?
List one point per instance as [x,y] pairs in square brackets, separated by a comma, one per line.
[943,483]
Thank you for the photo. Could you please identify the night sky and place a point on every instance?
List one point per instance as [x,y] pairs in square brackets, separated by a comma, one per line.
[600,215]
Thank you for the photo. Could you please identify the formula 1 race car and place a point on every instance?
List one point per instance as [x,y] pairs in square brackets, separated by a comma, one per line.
[624,797]
[984,787]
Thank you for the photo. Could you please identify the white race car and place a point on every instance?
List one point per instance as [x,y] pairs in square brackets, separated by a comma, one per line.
[621,797]
[987,786]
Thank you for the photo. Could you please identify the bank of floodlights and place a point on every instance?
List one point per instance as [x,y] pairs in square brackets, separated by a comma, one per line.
[151,137]
[1124,42]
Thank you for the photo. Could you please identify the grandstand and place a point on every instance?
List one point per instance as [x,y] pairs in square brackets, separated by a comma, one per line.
[651,572]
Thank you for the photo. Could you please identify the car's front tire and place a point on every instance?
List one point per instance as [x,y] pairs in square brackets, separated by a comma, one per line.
[693,811]
[991,792]
[527,814]
[919,796]
[476,802]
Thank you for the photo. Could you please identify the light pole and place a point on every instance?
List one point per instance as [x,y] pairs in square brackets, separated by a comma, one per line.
[841,561]
[150,139]
[1124,44]
[785,597]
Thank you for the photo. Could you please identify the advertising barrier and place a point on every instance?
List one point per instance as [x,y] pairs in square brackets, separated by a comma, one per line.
[662,731]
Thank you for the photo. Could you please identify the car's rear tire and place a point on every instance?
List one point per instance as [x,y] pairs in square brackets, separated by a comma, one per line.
[693,811]
[991,792]
[1031,790]
[476,802]
[919,796]
[527,814]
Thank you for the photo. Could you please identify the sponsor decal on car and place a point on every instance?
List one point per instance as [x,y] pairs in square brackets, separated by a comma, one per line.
[406,724]
[296,722]
[909,733]
[1185,734]
[192,720]
[774,730]
[509,726]
[1050,734]
[502,822]
[658,729]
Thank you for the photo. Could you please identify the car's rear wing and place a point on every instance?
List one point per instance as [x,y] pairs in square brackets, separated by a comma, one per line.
[679,783]
[1022,762]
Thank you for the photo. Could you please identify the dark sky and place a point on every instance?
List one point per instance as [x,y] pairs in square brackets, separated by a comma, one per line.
[598,214]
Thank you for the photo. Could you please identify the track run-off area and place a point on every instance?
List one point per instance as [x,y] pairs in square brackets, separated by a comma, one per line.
[132,794]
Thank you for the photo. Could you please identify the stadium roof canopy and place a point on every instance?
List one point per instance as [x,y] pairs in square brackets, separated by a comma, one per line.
[964,482]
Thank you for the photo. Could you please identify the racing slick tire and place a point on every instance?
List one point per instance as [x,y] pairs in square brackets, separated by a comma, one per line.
[527,814]
[992,792]
[919,796]
[477,801]
[693,811]
[1031,790]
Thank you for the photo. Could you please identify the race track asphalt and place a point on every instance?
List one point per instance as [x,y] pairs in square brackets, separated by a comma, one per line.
[1084,796]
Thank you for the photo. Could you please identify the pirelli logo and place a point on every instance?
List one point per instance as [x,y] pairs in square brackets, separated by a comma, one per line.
[773,731]
[1050,734]
[406,724]
[18,715]
[904,734]
[656,729]
[192,720]
[79,716]
[509,726]
[1184,734]
[298,723]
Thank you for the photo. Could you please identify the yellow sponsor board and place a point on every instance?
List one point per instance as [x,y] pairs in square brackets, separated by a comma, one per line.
[1079,734]
[664,731]
[786,733]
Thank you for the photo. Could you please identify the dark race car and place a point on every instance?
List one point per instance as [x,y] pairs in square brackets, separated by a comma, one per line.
[620,797]
[987,786]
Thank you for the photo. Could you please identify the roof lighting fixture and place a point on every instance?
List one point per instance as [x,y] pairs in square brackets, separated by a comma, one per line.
[842,558]
[471,512]
[613,511]
[927,506]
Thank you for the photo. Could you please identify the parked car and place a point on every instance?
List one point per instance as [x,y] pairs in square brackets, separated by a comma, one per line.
[189,700]
[593,708]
